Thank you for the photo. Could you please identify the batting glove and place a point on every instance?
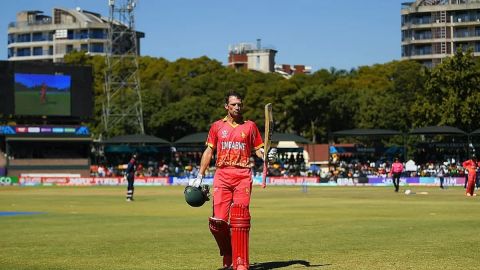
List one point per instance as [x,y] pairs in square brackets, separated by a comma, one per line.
[196,182]
[272,155]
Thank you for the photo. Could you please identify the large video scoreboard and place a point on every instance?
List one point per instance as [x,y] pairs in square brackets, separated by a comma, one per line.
[45,90]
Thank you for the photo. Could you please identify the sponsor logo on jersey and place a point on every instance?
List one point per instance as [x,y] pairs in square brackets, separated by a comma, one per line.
[233,145]
[224,134]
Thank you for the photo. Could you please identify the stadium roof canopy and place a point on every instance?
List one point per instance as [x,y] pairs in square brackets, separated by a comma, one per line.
[195,138]
[367,132]
[136,139]
[201,138]
[438,130]
[278,137]
[475,132]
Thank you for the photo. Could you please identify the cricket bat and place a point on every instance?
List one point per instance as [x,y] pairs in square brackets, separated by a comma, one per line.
[267,141]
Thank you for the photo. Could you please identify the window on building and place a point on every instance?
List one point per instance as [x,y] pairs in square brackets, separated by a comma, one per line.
[422,50]
[11,38]
[461,17]
[97,33]
[83,34]
[69,48]
[461,32]
[257,64]
[477,31]
[11,52]
[38,36]
[23,52]
[37,50]
[96,48]
[84,47]
[422,18]
[50,50]
[463,46]
[24,38]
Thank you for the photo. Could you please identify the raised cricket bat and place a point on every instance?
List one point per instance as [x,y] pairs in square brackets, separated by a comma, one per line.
[267,141]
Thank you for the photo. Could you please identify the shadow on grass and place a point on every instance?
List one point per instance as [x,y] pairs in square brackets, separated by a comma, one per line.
[278,265]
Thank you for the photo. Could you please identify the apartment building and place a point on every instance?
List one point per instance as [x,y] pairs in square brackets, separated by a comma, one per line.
[288,71]
[252,57]
[35,36]
[249,56]
[435,29]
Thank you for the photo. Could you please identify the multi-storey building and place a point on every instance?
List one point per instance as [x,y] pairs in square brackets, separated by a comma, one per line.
[255,57]
[249,56]
[35,36]
[288,71]
[435,29]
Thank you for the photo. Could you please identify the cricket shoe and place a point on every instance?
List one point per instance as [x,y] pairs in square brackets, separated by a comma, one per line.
[227,262]
[241,267]
[130,200]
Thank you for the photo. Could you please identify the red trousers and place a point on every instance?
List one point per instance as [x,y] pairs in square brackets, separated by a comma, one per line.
[230,185]
[471,182]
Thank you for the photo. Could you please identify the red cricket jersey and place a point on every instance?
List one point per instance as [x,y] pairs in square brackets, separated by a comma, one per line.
[234,144]
[470,166]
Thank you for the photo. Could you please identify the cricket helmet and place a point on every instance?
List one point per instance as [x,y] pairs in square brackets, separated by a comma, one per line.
[197,196]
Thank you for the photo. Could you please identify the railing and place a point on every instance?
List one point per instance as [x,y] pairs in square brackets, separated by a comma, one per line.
[24,24]
[50,38]
[32,53]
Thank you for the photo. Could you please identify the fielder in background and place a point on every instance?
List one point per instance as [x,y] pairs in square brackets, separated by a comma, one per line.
[233,139]
[471,166]
[130,176]
[397,169]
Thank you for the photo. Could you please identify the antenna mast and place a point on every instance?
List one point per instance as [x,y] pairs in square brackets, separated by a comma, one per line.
[122,108]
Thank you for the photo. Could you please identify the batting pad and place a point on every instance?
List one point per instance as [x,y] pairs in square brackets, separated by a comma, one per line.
[221,231]
[240,226]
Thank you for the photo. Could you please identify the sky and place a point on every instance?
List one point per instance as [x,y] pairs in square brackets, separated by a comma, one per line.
[343,34]
[61,82]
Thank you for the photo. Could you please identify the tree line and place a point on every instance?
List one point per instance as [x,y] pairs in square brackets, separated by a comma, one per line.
[186,96]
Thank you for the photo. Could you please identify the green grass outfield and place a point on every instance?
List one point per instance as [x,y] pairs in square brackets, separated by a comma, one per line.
[28,103]
[326,228]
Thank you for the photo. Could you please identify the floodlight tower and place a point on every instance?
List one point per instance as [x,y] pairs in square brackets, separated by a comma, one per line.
[122,108]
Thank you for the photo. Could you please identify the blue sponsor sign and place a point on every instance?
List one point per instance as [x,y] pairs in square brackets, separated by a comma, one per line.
[183,181]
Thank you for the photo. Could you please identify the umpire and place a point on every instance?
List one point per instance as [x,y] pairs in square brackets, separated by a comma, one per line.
[397,169]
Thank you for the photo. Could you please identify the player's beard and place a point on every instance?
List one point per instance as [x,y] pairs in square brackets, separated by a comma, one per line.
[237,115]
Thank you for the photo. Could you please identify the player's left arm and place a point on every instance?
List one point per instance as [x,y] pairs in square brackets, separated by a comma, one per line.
[257,141]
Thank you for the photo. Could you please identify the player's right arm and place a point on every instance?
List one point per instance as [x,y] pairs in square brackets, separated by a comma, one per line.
[204,163]
[206,159]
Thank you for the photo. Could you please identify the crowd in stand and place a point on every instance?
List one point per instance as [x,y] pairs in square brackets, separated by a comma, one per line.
[382,169]
[186,164]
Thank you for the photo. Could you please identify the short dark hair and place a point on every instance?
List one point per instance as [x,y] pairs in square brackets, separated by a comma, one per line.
[232,93]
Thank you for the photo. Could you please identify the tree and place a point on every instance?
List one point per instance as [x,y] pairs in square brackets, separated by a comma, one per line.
[451,94]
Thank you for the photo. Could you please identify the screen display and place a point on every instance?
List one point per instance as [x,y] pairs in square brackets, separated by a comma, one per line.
[42,94]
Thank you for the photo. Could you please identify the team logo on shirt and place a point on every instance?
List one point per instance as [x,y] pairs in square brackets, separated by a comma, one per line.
[243,135]
[224,134]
